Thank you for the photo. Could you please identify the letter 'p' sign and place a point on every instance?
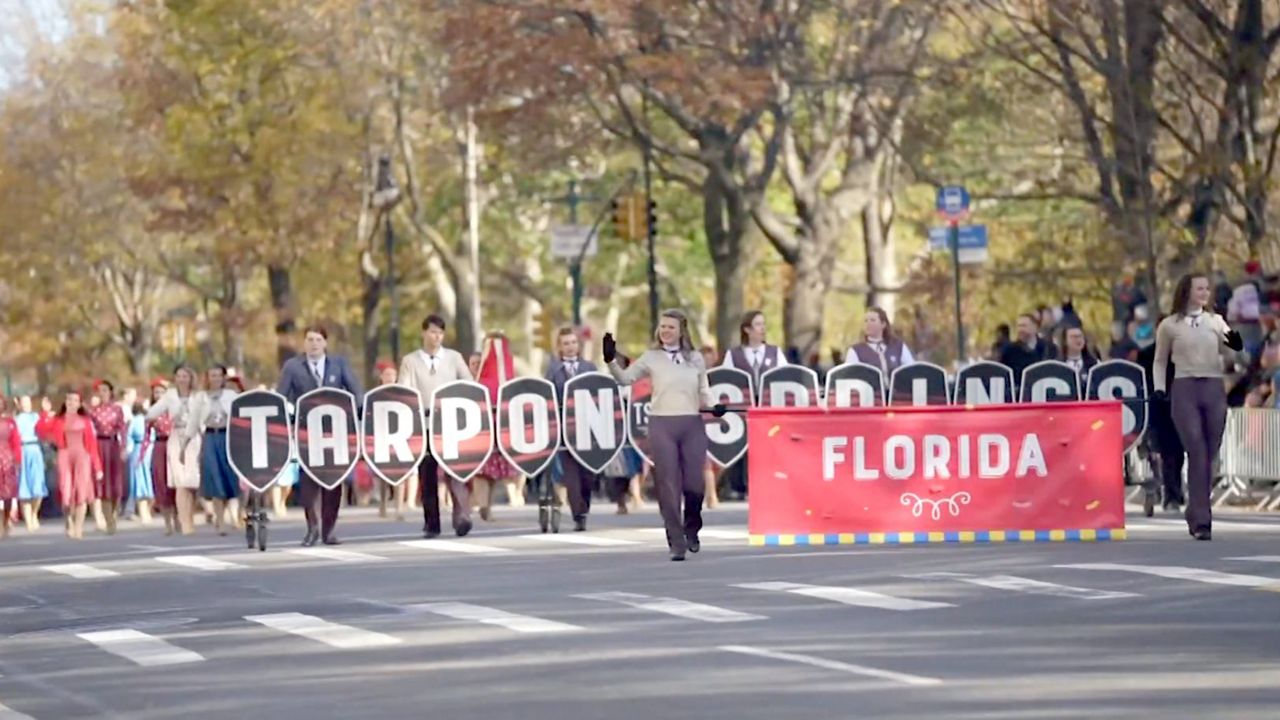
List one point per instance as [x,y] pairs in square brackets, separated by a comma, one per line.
[258,437]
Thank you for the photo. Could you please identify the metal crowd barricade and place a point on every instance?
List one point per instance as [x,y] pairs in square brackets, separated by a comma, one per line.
[1250,458]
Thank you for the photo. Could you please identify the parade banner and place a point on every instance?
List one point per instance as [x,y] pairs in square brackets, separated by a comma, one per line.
[528,423]
[789,386]
[326,436]
[995,472]
[984,383]
[258,437]
[394,438]
[855,385]
[727,436]
[461,428]
[594,419]
[1125,381]
[1050,381]
[918,384]
[638,398]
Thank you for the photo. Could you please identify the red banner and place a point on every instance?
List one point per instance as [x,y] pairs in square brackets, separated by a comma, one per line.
[1042,472]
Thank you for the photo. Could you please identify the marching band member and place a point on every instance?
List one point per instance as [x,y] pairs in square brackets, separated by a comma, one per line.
[388,374]
[79,465]
[313,369]
[210,413]
[754,355]
[879,347]
[110,424]
[677,436]
[572,480]
[1193,338]
[10,464]
[1077,354]
[181,469]
[426,369]
[33,486]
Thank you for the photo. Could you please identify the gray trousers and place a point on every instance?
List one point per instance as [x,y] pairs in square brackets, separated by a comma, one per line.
[678,444]
[1199,408]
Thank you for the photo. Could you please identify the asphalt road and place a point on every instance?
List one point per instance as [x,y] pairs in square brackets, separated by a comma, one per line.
[504,625]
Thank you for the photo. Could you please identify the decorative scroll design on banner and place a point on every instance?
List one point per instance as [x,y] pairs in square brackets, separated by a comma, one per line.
[952,504]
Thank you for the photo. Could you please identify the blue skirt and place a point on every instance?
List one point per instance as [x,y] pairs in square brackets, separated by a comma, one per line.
[31,476]
[217,480]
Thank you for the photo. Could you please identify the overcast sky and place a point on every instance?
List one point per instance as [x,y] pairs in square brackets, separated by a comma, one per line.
[20,22]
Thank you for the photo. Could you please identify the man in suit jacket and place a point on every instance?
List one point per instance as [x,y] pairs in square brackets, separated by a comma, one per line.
[426,369]
[574,478]
[300,375]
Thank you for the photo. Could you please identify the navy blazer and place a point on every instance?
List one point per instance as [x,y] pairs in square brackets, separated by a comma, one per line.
[558,373]
[296,379]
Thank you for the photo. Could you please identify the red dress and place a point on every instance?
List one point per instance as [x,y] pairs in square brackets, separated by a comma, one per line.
[10,458]
[78,460]
[109,423]
[164,495]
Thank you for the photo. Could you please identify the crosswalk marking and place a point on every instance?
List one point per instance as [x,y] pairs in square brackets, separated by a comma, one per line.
[594,540]
[80,571]
[717,533]
[139,647]
[826,664]
[847,596]
[335,554]
[198,562]
[1027,585]
[453,546]
[1182,573]
[1257,558]
[8,713]
[332,634]
[494,616]
[674,606]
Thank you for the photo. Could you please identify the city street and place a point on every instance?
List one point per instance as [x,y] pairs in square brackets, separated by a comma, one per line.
[505,624]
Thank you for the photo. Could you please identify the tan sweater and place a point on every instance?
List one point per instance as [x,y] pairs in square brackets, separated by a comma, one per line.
[415,371]
[677,389]
[1197,352]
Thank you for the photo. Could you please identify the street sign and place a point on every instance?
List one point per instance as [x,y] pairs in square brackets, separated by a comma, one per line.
[953,202]
[567,241]
[973,242]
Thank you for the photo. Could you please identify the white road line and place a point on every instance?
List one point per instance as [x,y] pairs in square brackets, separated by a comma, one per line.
[674,606]
[717,533]
[593,540]
[904,678]
[1183,573]
[454,546]
[143,649]
[335,554]
[80,571]
[847,596]
[332,634]
[494,616]
[1034,587]
[1257,558]
[198,562]
[8,713]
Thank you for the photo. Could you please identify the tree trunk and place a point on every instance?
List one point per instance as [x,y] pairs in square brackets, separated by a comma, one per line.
[725,220]
[881,265]
[804,309]
[467,334]
[284,305]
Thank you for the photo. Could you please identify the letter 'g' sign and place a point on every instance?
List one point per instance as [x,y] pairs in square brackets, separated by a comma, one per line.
[327,439]
[258,437]
[394,440]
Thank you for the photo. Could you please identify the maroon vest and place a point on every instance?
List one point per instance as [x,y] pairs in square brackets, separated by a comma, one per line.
[892,359]
[738,356]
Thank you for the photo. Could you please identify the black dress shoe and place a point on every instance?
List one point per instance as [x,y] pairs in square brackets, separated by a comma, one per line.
[431,534]
[463,528]
[677,555]
[579,524]
[1203,535]
[331,540]
[694,544]
[310,538]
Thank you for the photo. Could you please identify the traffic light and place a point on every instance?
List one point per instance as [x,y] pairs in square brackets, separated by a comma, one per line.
[652,219]
[542,330]
[627,211]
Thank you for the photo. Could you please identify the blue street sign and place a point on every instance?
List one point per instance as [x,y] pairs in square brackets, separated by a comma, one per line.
[953,201]
[972,237]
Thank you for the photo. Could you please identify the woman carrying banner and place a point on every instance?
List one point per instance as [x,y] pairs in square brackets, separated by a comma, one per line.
[79,465]
[755,357]
[182,461]
[879,347]
[677,436]
[1193,338]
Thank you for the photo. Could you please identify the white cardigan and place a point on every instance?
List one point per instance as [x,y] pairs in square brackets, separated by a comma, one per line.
[202,405]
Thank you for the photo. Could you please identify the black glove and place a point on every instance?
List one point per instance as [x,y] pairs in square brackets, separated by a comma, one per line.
[609,347]
[719,410]
[1160,396]
[1234,341]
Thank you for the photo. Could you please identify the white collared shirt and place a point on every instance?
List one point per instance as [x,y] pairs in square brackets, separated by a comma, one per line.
[316,367]
[755,357]
[432,361]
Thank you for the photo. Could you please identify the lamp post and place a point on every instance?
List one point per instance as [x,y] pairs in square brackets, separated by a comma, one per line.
[386,194]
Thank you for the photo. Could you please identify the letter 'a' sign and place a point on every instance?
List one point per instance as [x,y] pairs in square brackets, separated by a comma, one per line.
[1127,382]
[638,417]
[258,437]
[727,436]
[394,440]
[528,423]
[326,435]
[461,428]
[594,420]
